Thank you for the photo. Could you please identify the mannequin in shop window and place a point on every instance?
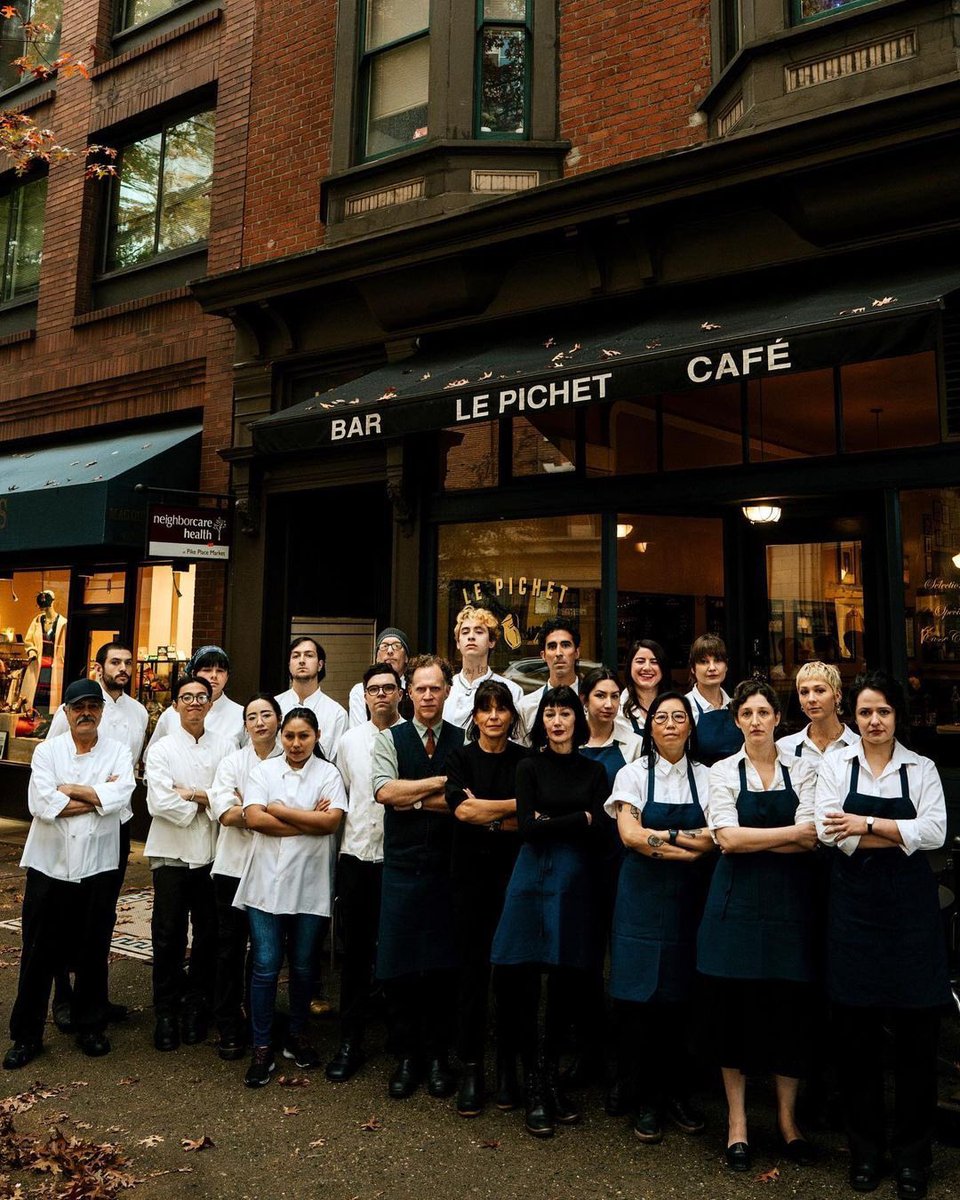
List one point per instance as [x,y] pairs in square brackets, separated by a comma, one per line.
[45,640]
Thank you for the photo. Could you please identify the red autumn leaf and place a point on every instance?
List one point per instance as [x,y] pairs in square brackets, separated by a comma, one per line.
[372,1125]
[293,1081]
[200,1143]
[770,1176]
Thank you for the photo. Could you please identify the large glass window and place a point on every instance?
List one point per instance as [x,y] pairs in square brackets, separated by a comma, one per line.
[545,444]
[811,10]
[502,53]
[792,416]
[890,403]
[161,197]
[526,572]
[21,238]
[33,637]
[394,74]
[135,12]
[702,429]
[469,457]
[34,35]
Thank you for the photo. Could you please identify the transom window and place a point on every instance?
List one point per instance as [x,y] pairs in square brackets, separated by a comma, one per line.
[810,10]
[503,44]
[21,238]
[160,199]
[40,45]
[394,74]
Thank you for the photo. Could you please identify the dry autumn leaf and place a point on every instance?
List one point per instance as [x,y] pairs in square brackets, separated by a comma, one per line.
[128,1080]
[490,1145]
[152,1139]
[372,1125]
[200,1143]
[770,1176]
[294,1081]
[317,1143]
[291,1110]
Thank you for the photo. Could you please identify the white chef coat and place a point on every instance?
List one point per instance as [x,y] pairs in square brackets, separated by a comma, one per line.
[725,786]
[233,843]
[331,717]
[224,719]
[926,832]
[458,707]
[181,829]
[124,719]
[699,703]
[790,741]
[73,848]
[357,707]
[670,782]
[363,826]
[291,874]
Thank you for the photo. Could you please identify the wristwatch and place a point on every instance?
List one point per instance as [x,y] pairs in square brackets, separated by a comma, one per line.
[418,804]
[870,821]
[672,836]
[494,826]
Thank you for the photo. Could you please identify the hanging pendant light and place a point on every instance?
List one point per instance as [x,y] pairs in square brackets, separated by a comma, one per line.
[762,514]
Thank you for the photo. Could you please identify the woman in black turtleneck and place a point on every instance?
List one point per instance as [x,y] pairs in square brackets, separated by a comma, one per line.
[547,916]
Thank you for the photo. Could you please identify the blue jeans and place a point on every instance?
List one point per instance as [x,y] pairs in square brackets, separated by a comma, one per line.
[269,936]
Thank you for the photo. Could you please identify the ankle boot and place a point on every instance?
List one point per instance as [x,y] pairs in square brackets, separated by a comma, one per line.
[470,1094]
[564,1110]
[538,1117]
[508,1088]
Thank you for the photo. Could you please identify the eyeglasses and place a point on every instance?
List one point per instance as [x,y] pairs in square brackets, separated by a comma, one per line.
[672,718]
[194,698]
[381,689]
[390,646]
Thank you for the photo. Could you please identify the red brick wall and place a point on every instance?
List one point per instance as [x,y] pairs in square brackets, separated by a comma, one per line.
[631,75]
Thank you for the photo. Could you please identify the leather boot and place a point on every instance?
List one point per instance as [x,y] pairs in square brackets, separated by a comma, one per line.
[470,1095]
[508,1088]
[565,1112]
[538,1117]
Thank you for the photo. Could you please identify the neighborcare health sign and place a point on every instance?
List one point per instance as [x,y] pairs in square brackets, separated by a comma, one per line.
[176,532]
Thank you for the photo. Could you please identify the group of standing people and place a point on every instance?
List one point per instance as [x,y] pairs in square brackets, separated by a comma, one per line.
[754,890]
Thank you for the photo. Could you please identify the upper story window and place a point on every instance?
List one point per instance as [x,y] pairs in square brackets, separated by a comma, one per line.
[503,49]
[33,35]
[809,10]
[135,12]
[394,74]
[21,238]
[160,200]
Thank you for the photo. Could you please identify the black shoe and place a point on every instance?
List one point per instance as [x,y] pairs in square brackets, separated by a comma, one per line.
[261,1065]
[94,1045]
[63,1016]
[581,1072]
[117,1013]
[864,1176]
[537,1117]
[565,1112]
[800,1151]
[301,1052]
[470,1095]
[230,1050]
[166,1035]
[507,1096]
[440,1079]
[683,1114]
[345,1063]
[616,1103]
[193,1028]
[405,1079]
[647,1126]
[738,1157]
[21,1053]
[911,1183]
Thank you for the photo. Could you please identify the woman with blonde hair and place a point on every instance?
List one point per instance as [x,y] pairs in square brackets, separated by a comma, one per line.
[820,691]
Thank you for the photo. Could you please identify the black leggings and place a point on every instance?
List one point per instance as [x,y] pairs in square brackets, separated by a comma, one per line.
[518,990]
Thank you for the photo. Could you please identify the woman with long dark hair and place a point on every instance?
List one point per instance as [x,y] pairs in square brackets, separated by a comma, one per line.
[882,805]
[648,674]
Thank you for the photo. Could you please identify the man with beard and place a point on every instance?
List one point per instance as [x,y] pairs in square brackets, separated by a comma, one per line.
[80,783]
[307,667]
[393,648]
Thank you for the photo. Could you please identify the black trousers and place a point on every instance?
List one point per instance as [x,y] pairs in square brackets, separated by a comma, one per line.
[183,895]
[860,1039]
[654,1057]
[518,992]
[57,916]
[358,913]
[478,894]
[231,986]
[421,1008]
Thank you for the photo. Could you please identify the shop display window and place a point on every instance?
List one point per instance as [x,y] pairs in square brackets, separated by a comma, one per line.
[526,572]
[163,633]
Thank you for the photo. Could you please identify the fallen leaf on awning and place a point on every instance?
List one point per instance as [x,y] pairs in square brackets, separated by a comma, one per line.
[456,383]
[654,345]
[484,376]
[573,349]
[610,353]
[424,377]
[200,1143]
[708,325]
[852,312]
[884,302]
[549,343]
[388,394]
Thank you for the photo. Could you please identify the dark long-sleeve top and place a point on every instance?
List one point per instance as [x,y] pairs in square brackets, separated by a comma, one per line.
[488,777]
[562,788]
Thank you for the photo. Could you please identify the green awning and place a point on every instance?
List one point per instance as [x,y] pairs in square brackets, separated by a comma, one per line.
[82,494]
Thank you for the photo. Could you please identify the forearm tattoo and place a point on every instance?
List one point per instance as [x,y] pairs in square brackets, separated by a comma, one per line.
[635,812]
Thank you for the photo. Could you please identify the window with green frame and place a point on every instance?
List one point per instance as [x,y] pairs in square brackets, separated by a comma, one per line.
[812,10]
[21,238]
[394,74]
[503,56]
[39,42]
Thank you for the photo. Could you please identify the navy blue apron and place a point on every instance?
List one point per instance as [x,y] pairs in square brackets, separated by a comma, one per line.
[758,922]
[717,734]
[659,906]
[886,945]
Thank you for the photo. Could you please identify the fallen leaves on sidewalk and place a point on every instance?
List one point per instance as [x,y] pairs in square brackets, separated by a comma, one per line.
[151,1140]
[770,1176]
[200,1143]
[293,1080]
[26,1100]
[372,1125]
[128,1080]
[81,1169]
[291,1110]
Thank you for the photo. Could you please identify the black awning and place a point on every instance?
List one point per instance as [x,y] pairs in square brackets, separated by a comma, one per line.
[644,351]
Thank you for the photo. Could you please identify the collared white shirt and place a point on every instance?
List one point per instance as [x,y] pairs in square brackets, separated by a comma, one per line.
[670,782]
[357,707]
[927,831]
[181,829]
[73,848]
[527,708]
[630,745]
[291,874]
[458,707]
[385,764]
[725,786]
[700,704]
[331,717]
[233,843]
[363,826]
[789,742]
[224,719]
[638,715]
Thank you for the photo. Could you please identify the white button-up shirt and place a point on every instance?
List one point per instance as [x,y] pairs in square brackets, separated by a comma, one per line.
[291,874]
[229,788]
[224,718]
[670,785]
[458,707]
[699,703]
[363,827]
[331,717]
[927,831]
[73,848]
[181,829]
[789,742]
[124,719]
[725,786]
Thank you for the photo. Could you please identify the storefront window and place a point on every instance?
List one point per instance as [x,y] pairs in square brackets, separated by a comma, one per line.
[890,403]
[545,444]
[526,572]
[163,632]
[622,439]
[468,457]
[669,584]
[702,429]
[792,416]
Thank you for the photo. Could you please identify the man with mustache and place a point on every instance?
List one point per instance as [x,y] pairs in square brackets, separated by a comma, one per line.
[80,783]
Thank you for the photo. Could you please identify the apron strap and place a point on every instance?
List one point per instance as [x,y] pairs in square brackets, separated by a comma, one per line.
[905,786]
[855,774]
[650,784]
[798,753]
[693,784]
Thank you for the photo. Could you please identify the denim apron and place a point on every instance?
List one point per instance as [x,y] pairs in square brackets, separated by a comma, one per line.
[717,735]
